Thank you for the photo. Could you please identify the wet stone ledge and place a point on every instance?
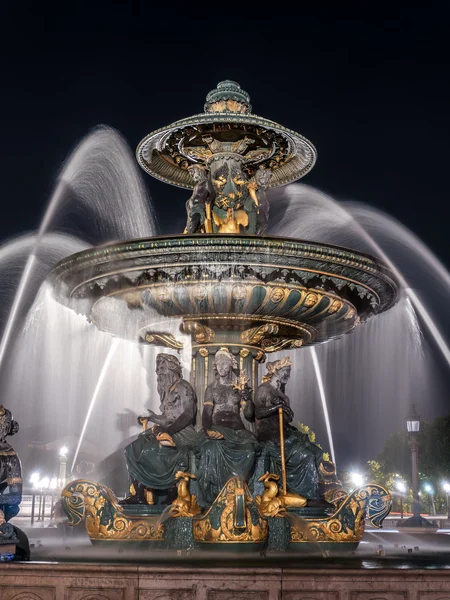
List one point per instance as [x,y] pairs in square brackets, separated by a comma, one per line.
[59,581]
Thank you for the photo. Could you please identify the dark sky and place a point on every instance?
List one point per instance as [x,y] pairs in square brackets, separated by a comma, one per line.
[370,89]
[368,86]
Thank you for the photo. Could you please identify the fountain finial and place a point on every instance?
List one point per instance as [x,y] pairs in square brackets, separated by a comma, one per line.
[228,97]
[227,127]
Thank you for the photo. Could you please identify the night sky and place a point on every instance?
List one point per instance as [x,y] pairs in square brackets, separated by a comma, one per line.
[370,88]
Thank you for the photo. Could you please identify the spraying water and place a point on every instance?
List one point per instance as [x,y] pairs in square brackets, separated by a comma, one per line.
[22,251]
[95,395]
[101,175]
[324,402]
[307,213]
[383,363]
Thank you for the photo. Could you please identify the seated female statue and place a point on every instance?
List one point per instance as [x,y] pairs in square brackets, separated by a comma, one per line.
[228,449]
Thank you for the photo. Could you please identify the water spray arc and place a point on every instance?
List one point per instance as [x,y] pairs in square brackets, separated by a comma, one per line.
[323,400]
[100,159]
[95,395]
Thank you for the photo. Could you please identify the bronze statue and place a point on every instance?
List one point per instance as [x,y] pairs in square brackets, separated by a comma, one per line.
[303,458]
[156,456]
[262,178]
[228,448]
[10,468]
[198,206]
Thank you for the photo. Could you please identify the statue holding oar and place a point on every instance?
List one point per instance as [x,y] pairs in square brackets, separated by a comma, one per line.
[289,453]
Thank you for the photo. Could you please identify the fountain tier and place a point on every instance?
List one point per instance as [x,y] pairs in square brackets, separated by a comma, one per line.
[277,293]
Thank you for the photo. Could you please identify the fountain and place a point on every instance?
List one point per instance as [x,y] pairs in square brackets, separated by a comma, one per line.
[222,467]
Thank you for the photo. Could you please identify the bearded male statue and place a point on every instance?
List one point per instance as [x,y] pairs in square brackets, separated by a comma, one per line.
[303,458]
[158,453]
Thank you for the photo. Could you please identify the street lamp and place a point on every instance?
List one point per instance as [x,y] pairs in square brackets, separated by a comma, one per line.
[413,427]
[446,487]
[416,523]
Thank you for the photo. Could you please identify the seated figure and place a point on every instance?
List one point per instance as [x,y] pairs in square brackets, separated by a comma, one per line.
[228,449]
[10,468]
[157,454]
[303,458]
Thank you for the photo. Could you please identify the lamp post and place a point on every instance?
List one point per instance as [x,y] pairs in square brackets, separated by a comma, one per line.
[413,427]
[416,523]
[446,487]
[63,453]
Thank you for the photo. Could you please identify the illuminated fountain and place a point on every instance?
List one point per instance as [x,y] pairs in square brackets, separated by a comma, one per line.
[222,466]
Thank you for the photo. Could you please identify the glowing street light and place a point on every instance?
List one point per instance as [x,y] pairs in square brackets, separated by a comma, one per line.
[429,490]
[34,479]
[44,483]
[63,454]
[400,486]
[446,488]
[356,478]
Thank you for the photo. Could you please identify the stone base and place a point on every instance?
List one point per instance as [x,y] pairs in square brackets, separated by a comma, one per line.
[177,582]
[417,525]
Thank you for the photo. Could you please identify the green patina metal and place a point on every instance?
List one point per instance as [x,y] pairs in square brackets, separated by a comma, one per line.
[228,90]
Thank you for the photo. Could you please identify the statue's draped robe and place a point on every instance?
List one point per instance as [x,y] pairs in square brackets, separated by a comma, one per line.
[155,465]
[219,460]
[302,456]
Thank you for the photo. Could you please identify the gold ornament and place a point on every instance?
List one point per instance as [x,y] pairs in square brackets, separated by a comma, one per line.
[185,505]
[238,517]
[311,299]
[105,519]
[277,294]
[239,292]
[200,292]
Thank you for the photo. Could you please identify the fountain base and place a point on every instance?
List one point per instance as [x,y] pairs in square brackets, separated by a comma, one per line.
[232,522]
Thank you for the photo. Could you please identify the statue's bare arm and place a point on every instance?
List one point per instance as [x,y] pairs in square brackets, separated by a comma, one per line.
[154,418]
[208,409]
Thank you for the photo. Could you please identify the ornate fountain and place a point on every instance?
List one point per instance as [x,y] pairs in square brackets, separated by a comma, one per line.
[222,467]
